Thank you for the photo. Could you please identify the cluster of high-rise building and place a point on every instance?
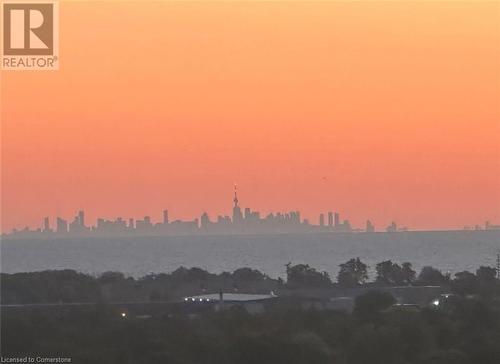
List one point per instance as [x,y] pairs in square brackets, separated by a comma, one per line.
[244,221]
[487,226]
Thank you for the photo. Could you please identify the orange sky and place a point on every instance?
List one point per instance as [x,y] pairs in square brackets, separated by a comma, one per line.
[380,110]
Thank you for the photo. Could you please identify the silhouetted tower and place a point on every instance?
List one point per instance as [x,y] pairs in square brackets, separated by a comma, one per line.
[337,219]
[393,227]
[204,220]
[235,199]
[369,227]
[81,218]
[46,224]
[330,219]
[165,217]
[321,220]
[237,215]
[61,225]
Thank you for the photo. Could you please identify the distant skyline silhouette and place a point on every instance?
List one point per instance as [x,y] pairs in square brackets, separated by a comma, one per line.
[241,221]
[387,111]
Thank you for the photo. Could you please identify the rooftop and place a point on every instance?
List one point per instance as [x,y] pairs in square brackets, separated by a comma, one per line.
[235,297]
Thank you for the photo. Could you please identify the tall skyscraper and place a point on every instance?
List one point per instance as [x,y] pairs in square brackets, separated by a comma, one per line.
[237,215]
[393,227]
[369,227]
[81,218]
[165,217]
[204,221]
[321,220]
[46,224]
[61,225]
[337,219]
[330,218]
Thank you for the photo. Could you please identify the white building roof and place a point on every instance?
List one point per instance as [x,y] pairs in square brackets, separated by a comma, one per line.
[240,297]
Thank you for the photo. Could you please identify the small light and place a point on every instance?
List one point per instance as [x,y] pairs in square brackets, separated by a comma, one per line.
[435,303]
[208,300]
[185,299]
[123,314]
[201,299]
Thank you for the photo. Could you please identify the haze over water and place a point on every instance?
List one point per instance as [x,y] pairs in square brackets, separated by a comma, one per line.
[451,251]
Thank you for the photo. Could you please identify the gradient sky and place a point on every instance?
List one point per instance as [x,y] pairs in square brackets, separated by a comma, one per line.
[380,110]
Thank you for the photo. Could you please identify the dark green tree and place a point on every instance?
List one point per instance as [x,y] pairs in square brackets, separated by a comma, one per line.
[486,274]
[465,283]
[389,273]
[304,276]
[352,273]
[408,273]
[432,277]
[248,275]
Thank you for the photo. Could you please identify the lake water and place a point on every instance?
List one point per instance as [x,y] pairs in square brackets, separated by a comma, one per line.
[136,256]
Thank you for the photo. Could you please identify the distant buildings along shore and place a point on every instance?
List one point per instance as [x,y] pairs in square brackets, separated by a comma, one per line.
[241,222]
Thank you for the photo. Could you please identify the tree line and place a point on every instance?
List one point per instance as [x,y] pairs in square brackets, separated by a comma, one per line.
[72,286]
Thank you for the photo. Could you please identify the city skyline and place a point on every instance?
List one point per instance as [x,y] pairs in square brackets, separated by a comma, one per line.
[244,220]
[383,110]
[241,220]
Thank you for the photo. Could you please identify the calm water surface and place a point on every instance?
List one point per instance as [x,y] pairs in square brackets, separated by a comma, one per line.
[137,256]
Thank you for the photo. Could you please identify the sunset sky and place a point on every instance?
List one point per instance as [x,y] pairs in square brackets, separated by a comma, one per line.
[379,110]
